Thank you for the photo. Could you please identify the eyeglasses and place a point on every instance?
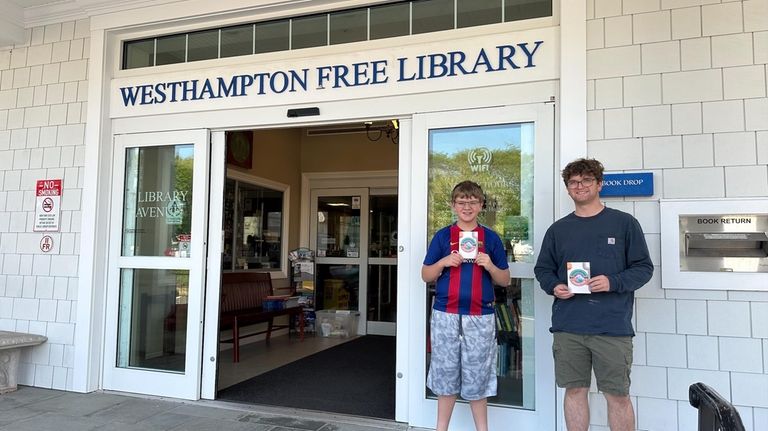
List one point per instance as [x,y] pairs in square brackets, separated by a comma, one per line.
[467,204]
[585,182]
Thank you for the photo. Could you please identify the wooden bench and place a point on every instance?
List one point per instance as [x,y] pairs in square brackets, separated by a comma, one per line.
[242,304]
[11,344]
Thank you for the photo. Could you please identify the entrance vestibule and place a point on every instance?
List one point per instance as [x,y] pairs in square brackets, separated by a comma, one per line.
[284,165]
[285,190]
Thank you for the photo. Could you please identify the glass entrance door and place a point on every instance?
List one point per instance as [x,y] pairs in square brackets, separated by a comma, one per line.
[157,264]
[382,263]
[339,236]
[509,152]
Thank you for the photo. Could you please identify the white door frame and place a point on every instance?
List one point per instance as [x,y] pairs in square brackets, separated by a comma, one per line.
[422,412]
[215,208]
[184,385]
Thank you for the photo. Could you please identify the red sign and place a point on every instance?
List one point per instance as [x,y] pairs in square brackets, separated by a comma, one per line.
[47,206]
[48,187]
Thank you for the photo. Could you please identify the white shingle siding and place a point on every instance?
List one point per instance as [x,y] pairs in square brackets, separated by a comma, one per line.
[618,123]
[749,389]
[642,90]
[746,181]
[686,23]
[702,352]
[737,354]
[43,90]
[744,82]
[656,414]
[662,152]
[756,114]
[761,47]
[725,18]
[686,118]
[618,31]
[613,62]
[693,84]
[605,8]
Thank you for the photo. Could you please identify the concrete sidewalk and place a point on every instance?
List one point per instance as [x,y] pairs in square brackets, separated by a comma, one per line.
[49,410]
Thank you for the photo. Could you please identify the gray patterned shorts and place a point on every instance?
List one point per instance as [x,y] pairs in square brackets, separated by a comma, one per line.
[464,355]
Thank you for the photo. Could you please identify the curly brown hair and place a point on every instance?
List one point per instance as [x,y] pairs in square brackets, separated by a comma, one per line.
[583,167]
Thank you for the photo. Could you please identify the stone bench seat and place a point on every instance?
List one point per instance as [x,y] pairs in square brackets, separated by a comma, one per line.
[11,344]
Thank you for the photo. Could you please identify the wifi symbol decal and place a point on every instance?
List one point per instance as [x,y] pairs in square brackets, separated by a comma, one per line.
[479,159]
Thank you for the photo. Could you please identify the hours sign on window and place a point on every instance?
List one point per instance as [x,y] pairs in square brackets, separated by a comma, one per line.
[47,205]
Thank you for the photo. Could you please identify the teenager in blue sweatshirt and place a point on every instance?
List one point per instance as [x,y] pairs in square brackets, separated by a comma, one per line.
[593,331]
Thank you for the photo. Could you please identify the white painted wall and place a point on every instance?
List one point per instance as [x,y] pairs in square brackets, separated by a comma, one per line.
[678,88]
[43,93]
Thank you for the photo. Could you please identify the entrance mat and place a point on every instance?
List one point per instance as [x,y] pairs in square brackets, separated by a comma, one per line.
[355,378]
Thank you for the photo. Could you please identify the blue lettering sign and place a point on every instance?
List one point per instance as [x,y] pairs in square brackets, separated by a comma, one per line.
[434,65]
[637,184]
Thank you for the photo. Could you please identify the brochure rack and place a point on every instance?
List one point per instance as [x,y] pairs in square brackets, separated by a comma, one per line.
[302,278]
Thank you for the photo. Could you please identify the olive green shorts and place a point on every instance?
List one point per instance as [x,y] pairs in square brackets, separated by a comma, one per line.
[576,355]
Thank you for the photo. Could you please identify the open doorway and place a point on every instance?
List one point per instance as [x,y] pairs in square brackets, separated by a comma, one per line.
[308,277]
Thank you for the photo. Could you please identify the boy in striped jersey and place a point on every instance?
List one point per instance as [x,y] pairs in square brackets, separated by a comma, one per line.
[463,326]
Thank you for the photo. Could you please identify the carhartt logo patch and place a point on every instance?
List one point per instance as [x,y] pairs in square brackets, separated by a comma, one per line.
[612,241]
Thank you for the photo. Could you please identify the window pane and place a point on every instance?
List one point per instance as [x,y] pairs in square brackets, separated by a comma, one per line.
[309,31]
[382,293]
[477,12]
[338,227]
[390,20]
[382,273]
[258,238]
[337,288]
[500,159]
[237,41]
[349,26]
[152,319]
[158,201]
[171,49]
[272,36]
[432,15]
[203,45]
[515,10]
[383,226]
[514,334]
[139,53]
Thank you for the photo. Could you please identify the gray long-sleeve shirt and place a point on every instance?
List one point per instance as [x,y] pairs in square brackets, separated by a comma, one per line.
[613,243]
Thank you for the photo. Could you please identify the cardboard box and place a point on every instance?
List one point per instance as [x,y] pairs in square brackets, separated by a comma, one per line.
[335,296]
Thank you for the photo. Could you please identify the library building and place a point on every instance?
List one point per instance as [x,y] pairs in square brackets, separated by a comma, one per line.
[233,200]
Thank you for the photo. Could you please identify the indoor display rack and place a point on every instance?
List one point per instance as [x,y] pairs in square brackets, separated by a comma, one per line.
[302,278]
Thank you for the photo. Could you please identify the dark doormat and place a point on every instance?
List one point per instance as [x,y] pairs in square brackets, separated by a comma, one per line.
[355,378]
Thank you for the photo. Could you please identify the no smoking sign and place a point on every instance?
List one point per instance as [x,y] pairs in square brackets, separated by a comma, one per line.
[47,206]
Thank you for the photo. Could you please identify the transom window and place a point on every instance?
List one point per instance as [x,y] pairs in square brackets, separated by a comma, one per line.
[344,26]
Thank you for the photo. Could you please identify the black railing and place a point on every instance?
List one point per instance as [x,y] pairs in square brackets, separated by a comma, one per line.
[715,412]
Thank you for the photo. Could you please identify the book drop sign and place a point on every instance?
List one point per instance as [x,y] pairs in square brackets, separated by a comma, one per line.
[47,205]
